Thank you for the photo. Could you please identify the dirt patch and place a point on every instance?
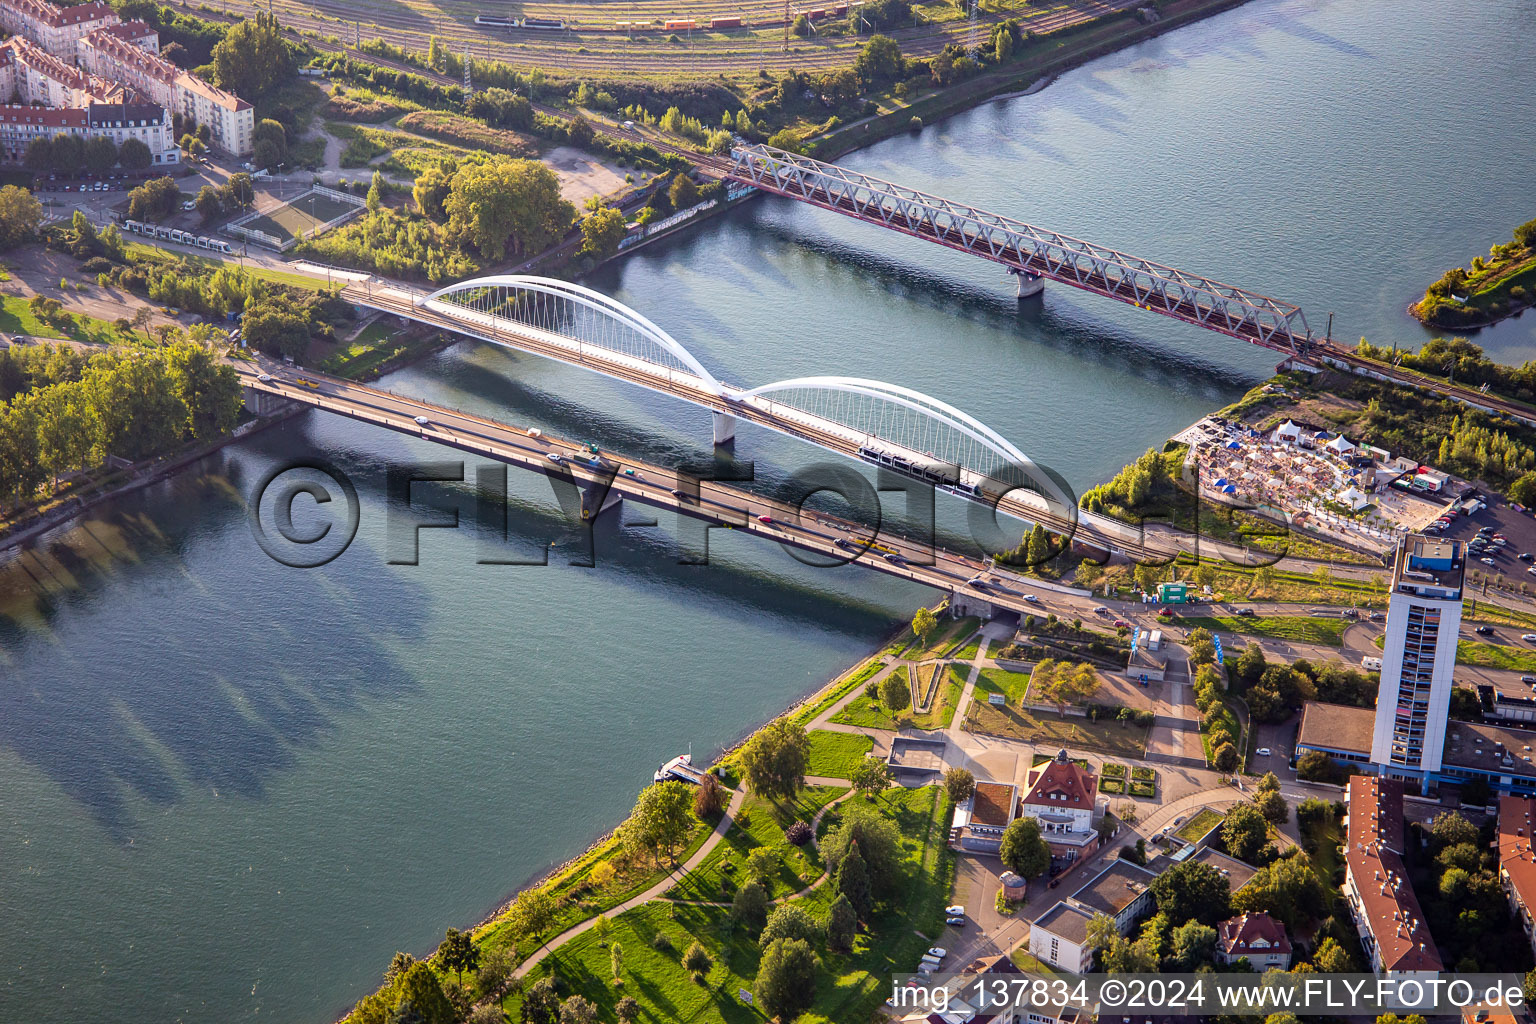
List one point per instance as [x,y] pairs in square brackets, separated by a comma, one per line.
[582,175]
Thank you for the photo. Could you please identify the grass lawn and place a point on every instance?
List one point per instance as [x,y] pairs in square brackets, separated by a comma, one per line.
[834,754]
[139,250]
[969,651]
[947,635]
[1195,828]
[1012,685]
[1296,628]
[374,346]
[765,825]
[580,899]
[873,714]
[1475,652]
[848,987]
[17,318]
[1106,736]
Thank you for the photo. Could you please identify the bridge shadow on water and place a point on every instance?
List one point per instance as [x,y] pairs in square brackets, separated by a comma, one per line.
[176,695]
[1036,321]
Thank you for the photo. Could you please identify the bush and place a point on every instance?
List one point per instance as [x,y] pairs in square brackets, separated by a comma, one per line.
[661,943]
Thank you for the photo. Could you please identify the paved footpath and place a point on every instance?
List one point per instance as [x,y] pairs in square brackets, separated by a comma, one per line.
[671,879]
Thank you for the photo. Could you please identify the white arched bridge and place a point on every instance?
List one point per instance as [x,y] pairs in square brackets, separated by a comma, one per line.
[884,424]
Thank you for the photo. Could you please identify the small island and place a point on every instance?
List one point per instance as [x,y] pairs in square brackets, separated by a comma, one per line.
[1501,286]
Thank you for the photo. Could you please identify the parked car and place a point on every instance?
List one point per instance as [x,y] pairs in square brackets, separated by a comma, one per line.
[1122,624]
[958,922]
[1528,679]
[938,952]
[955,911]
[1101,610]
[1526,556]
[1488,561]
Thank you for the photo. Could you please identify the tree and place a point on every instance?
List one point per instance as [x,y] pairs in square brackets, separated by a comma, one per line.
[496,967]
[252,58]
[458,953]
[1117,953]
[708,797]
[540,1004]
[532,912]
[1273,806]
[209,207]
[683,193]
[1024,849]
[375,198]
[1250,665]
[100,154]
[419,987]
[1192,944]
[20,215]
[842,925]
[1316,766]
[697,959]
[787,921]
[871,775]
[154,200]
[430,192]
[877,839]
[879,62]
[239,191]
[853,882]
[786,979]
[503,203]
[896,692]
[959,784]
[134,155]
[601,232]
[627,1010]
[39,156]
[1450,828]
[775,759]
[1193,890]
[1332,958]
[578,1010]
[1245,832]
[68,153]
[1287,890]
[661,819]
[1224,757]
[763,865]
[750,907]
[923,624]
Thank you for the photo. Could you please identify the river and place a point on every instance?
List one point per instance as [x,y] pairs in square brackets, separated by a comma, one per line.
[231,790]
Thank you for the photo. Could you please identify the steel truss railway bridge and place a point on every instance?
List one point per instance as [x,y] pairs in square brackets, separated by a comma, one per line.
[877,422]
[1033,254]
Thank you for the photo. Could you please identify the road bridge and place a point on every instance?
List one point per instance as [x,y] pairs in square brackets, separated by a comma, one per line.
[1034,254]
[615,477]
[872,421]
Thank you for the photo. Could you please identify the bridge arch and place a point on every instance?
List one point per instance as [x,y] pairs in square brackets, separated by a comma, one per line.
[912,421]
[569,314]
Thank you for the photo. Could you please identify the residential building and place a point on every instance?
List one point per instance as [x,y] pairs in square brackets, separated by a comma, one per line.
[31,74]
[147,122]
[1060,795]
[230,119]
[1258,937]
[1418,659]
[1060,937]
[1376,886]
[1517,861]
[20,125]
[974,998]
[56,29]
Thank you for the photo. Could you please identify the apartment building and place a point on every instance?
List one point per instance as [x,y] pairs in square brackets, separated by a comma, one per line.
[1517,861]
[1060,937]
[115,55]
[150,123]
[30,74]
[56,29]
[1418,659]
[1376,886]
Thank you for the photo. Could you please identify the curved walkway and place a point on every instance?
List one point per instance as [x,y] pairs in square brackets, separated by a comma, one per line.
[672,878]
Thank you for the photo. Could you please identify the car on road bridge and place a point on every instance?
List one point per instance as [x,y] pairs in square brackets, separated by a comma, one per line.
[265,378]
[893,558]
[422,421]
[1031,598]
[765,520]
[840,542]
[556,458]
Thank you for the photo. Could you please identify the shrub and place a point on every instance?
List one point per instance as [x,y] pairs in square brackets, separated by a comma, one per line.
[661,943]
[698,960]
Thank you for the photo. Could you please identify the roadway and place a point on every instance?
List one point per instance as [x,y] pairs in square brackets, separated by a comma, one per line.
[839,540]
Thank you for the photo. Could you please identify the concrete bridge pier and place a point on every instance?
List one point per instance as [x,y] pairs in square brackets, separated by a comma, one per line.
[725,429]
[1029,284]
[590,509]
[263,403]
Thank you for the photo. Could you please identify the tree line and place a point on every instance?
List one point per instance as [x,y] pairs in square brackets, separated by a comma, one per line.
[74,412]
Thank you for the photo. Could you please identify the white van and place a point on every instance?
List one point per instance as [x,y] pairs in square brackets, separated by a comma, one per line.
[1371,664]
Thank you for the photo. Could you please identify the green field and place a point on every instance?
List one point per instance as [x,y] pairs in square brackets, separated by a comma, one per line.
[1300,629]
[873,714]
[849,987]
[1484,655]
[834,754]
[764,828]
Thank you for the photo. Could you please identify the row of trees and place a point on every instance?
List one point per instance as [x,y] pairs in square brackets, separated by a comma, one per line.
[131,404]
[74,154]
